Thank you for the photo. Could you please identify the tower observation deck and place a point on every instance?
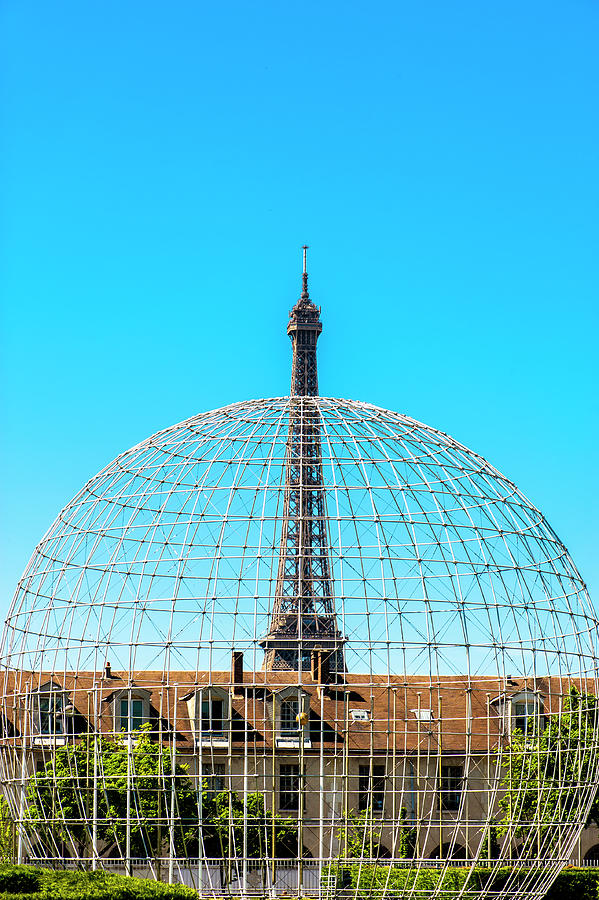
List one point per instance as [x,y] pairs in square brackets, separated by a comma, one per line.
[303,617]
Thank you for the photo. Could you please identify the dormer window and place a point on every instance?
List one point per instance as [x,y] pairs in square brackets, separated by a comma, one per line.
[49,710]
[423,714]
[526,709]
[131,709]
[50,714]
[524,713]
[292,707]
[289,717]
[132,714]
[212,713]
[213,716]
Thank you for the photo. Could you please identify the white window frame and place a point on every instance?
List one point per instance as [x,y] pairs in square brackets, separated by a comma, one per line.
[451,784]
[213,737]
[130,695]
[534,710]
[58,697]
[288,738]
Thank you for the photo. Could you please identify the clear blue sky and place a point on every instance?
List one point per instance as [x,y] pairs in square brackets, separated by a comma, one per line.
[161,164]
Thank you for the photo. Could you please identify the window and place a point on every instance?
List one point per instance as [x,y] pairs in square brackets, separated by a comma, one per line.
[451,787]
[371,788]
[212,712]
[213,716]
[291,708]
[214,779]
[289,717]
[132,714]
[289,787]
[50,712]
[131,709]
[523,715]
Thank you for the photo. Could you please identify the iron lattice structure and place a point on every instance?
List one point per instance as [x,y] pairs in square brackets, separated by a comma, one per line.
[158,713]
[304,615]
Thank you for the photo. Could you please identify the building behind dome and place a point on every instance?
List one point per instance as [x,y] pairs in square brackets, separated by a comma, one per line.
[292,633]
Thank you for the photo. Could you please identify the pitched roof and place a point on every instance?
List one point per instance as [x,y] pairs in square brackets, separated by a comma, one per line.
[388,719]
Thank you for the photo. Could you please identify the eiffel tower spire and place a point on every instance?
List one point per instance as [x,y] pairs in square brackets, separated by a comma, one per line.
[303,616]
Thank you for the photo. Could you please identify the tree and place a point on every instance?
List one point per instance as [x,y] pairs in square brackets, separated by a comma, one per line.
[228,831]
[360,837]
[60,798]
[547,768]
[60,805]
[407,837]
[7,833]
[490,845]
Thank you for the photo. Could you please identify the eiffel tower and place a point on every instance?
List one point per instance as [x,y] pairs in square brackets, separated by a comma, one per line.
[303,617]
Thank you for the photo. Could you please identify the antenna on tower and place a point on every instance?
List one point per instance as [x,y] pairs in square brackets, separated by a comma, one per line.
[305,274]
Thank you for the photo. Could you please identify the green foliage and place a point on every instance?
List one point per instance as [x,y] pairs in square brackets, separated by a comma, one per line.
[575,884]
[26,883]
[490,845]
[395,881]
[7,833]
[544,771]
[224,834]
[19,879]
[407,837]
[360,837]
[60,797]
[368,881]
[60,805]
[495,880]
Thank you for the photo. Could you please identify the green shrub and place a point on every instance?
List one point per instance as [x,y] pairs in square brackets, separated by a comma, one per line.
[395,882]
[575,884]
[103,886]
[27,883]
[35,896]
[19,879]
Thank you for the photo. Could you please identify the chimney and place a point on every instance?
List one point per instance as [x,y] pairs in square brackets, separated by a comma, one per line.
[325,666]
[107,671]
[316,665]
[237,671]
[321,665]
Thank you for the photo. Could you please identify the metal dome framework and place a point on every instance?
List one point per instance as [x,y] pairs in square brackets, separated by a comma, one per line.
[305,623]
[168,556]
[452,593]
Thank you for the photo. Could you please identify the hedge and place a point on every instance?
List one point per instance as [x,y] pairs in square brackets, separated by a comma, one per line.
[19,879]
[395,882]
[27,883]
[575,884]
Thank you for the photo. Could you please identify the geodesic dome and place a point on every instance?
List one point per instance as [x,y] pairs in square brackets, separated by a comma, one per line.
[469,651]
[169,555]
